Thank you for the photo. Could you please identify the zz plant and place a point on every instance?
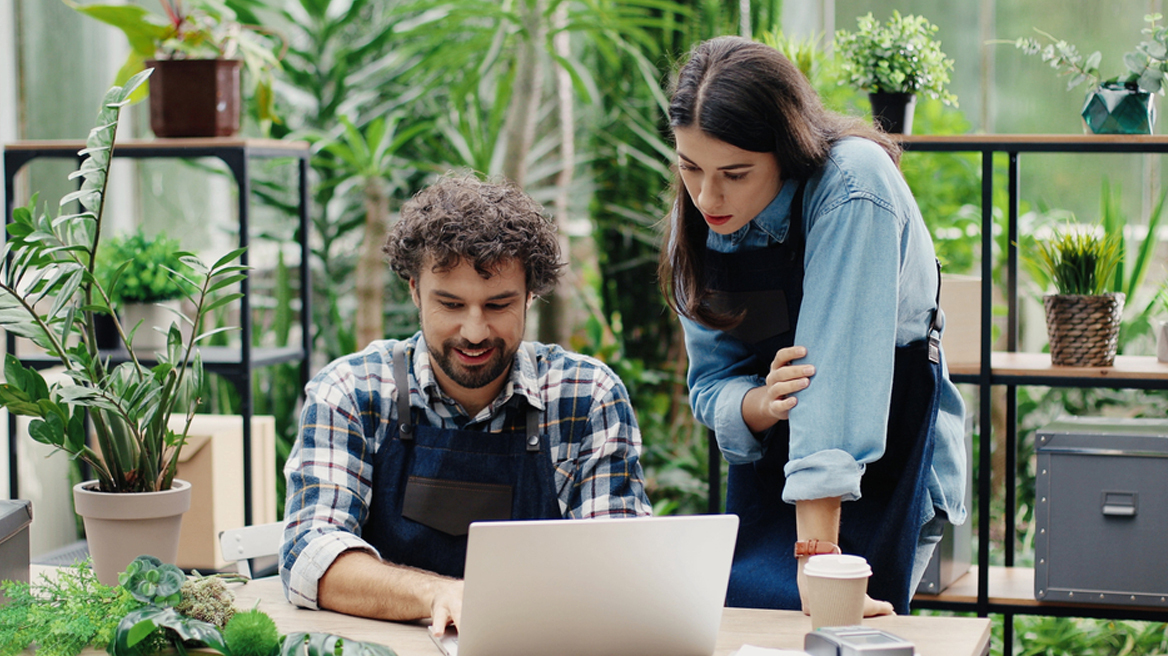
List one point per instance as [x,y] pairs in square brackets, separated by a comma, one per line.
[50,295]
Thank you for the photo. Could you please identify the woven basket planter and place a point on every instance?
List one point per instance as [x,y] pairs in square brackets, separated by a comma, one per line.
[1083,330]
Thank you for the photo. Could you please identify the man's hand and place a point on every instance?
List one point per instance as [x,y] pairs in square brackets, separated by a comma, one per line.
[358,583]
[446,607]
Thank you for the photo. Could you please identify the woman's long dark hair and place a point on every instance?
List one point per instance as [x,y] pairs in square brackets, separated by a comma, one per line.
[750,96]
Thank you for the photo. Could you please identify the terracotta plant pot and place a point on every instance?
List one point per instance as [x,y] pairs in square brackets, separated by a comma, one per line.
[1083,330]
[194,97]
[121,527]
[893,112]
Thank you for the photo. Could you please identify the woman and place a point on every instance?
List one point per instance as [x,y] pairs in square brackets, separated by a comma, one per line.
[795,250]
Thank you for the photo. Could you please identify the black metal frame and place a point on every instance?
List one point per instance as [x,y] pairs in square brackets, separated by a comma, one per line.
[1013,146]
[237,365]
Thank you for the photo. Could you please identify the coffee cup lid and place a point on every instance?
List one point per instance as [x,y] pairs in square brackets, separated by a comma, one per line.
[837,566]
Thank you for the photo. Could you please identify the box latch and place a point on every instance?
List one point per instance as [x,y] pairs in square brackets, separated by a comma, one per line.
[1120,504]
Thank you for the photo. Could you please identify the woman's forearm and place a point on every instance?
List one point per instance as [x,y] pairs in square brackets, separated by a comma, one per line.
[818,519]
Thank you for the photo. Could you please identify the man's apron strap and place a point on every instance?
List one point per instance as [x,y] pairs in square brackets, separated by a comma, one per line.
[405,424]
[532,411]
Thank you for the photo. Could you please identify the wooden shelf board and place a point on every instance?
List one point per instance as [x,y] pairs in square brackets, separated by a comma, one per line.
[1127,367]
[73,145]
[1012,586]
[1022,139]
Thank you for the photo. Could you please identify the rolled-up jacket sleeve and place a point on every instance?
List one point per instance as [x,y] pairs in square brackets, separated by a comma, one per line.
[848,322]
[718,380]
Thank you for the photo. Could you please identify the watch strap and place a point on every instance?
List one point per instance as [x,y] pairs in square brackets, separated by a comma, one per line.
[804,548]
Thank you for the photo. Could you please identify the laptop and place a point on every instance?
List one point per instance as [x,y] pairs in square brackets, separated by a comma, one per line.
[647,586]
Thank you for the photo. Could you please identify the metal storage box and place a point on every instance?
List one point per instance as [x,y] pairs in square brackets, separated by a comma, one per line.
[954,553]
[1101,511]
[15,516]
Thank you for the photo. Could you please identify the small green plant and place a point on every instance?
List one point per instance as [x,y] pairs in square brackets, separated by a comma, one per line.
[207,598]
[1079,260]
[900,56]
[62,614]
[251,633]
[140,269]
[152,581]
[1147,65]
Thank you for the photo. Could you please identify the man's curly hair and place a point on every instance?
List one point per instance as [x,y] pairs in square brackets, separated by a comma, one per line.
[461,218]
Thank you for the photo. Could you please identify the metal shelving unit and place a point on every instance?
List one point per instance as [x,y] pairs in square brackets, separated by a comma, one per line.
[235,364]
[1009,590]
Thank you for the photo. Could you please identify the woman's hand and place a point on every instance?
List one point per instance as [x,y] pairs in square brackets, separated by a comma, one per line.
[763,407]
[785,379]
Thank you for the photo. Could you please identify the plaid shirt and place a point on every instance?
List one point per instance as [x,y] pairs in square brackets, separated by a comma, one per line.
[350,408]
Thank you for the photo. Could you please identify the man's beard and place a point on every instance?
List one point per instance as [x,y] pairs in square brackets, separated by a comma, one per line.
[477,376]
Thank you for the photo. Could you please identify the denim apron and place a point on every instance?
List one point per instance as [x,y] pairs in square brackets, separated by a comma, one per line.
[884,524]
[430,483]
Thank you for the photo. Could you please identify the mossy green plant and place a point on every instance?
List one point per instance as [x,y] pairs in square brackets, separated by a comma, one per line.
[251,633]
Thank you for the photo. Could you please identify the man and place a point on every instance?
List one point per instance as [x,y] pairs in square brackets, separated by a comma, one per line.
[382,486]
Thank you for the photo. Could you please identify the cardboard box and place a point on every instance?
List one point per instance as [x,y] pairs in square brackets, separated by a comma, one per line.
[1101,511]
[961,303]
[212,461]
[15,516]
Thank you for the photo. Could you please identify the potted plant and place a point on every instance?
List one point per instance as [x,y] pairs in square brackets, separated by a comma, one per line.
[138,271]
[1082,318]
[50,295]
[1121,104]
[894,62]
[198,52]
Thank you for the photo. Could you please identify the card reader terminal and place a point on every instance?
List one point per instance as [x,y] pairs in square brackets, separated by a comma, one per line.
[855,641]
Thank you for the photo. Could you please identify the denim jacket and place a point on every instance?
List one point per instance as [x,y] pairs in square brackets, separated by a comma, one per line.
[870,284]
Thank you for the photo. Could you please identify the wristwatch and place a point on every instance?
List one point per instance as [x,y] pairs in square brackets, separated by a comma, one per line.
[805,548]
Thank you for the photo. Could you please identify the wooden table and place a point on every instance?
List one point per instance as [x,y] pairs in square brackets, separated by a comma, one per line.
[933,636]
[778,629]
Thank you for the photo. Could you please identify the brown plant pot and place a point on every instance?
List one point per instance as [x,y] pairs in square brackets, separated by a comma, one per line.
[1083,330]
[194,97]
[121,527]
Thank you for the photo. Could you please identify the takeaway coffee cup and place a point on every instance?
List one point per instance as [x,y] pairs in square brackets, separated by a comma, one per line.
[836,586]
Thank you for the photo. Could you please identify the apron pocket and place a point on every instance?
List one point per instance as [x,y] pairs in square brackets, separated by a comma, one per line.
[450,506]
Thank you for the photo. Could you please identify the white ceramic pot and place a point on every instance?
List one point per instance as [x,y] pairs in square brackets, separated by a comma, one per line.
[155,319]
[1162,341]
[121,527]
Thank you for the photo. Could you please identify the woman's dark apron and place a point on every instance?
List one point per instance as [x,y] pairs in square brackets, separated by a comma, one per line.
[429,483]
[884,524]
